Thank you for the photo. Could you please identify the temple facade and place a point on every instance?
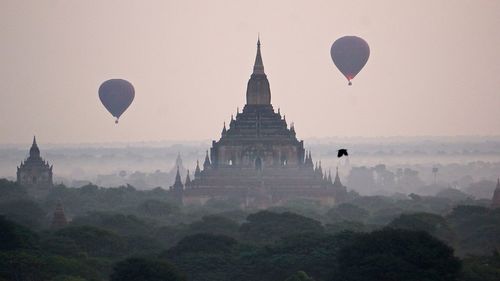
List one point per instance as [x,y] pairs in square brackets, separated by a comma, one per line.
[34,171]
[258,158]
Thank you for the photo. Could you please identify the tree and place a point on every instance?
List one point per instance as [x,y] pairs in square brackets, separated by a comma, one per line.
[477,228]
[347,212]
[205,257]
[10,191]
[67,278]
[156,208]
[216,225]
[24,211]
[267,227]
[203,242]
[14,236]
[485,268]
[118,223]
[142,269]
[315,253]
[353,226]
[22,265]
[299,276]
[396,254]
[435,225]
[453,194]
[94,241]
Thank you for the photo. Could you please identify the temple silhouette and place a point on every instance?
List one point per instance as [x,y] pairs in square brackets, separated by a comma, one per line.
[258,159]
[35,172]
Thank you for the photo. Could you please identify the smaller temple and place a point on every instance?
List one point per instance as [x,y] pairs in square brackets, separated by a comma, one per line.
[495,201]
[59,218]
[34,171]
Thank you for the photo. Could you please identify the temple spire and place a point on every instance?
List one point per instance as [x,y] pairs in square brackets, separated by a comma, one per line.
[178,183]
[337,182]
[258,89]
[206,164]
[187,182]
[197,171]
[224,128]
[34,150]
[258,67]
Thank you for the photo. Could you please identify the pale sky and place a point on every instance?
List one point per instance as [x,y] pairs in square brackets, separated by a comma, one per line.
[434,67]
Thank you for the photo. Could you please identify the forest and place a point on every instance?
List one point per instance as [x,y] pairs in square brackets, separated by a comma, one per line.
[126,234]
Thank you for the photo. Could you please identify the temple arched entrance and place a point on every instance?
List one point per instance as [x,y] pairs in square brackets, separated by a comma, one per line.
[258,163]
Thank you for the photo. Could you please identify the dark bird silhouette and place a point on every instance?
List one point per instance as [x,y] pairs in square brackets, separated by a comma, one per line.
[342,152]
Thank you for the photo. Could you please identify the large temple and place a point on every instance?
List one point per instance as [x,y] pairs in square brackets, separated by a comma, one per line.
[258,159]
[34,171]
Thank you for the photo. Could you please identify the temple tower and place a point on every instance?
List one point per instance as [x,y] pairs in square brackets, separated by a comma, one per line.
[59,218]
[258,159]
[258,89]
[34,171]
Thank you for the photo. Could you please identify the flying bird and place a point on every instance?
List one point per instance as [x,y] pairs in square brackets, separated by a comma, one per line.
[342,152]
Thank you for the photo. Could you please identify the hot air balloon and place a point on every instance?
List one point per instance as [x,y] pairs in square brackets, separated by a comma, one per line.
[116,95]
[350,54]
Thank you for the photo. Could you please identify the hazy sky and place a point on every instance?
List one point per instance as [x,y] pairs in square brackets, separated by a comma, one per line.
[434,67]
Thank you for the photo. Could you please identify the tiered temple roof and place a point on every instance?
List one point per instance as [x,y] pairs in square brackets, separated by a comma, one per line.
[258,154]
[34,171]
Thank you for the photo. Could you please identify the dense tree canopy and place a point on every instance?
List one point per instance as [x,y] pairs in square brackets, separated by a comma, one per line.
[266,227]
[347,212]
[433,224]
[205,257]
[14,236]
[299,240]
[94,241]
[141,269]
[216,225]
[114,222]
[10,191]
[299,276]
[477,229]
[156,208]
[485,268]
[203,242]
[396,254]
[23,211]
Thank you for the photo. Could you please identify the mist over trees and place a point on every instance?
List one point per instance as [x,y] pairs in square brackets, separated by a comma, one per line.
[122,231]
[415,211]
[375,166]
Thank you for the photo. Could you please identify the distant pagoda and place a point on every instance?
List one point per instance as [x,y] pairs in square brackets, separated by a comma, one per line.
[59,218]
[495,201]
[258,158]
[34,171]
